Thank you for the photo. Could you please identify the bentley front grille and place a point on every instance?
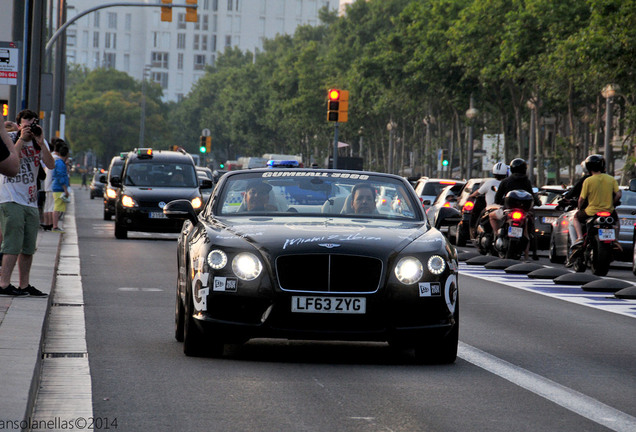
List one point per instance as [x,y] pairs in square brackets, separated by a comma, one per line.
[329,273]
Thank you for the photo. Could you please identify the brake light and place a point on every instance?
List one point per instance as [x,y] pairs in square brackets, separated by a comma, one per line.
[446,204]
[468,206]
[603,214]
[517,215]
[448,182]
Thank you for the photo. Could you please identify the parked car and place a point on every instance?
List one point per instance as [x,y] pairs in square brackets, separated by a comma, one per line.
[96,188]
[466,206]
[302,268]
[562,236]
[429,188]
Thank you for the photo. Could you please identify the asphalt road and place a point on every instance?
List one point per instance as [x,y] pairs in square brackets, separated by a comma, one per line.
[527,362]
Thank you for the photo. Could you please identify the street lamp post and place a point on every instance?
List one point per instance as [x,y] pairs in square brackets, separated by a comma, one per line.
[142,121]
[608,92]
[471,113]
[391,127]
[532,104]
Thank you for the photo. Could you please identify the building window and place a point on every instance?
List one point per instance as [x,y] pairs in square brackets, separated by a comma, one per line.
[214,23]
[109,60]
[195,45]
[160,78]
[128,22]
[96,20]
[228,41]
[204,42]
[179,97]
[159,60]
[197,25]
[71,38]
[205,22]
[95,39]
[112,20]
[236,8]
[229,4]
[70,56]
[85,39]
[213,42]
[181,41]
[181,22]
[127,62]
[215,5]
[96,59]
[199,62]
[110,40]
[180,61]
[155,39]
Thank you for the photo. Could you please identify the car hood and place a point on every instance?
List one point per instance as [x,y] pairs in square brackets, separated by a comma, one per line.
[278,236]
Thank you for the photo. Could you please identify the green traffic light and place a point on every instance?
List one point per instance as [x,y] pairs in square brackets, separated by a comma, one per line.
[445,162]
[202,149]
[221,166]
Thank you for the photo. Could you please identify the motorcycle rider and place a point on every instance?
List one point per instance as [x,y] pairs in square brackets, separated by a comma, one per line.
[516,180]
[488,190]
[599,192]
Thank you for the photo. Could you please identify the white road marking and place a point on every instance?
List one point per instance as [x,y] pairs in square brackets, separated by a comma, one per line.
[572,400]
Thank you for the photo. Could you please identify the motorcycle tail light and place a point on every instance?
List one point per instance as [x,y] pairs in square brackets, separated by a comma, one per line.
[603,213]
[446,204]
[517,215]
[468,206]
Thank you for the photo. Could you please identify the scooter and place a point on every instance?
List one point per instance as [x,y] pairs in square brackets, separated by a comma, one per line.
[597,249]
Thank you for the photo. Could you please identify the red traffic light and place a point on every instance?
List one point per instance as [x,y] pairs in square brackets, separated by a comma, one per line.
[333,95]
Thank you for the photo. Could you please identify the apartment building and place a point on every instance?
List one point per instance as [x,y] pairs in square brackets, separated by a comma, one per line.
[174,54]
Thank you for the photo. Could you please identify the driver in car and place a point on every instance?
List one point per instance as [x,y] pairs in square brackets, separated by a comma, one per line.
[257,196]
[363,199]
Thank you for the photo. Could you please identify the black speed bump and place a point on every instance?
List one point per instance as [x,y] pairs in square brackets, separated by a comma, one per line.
[465,256]
[481,260]
[501,264]
[576,279]
[523,268]
[626,293]
[548,273]
[606,285]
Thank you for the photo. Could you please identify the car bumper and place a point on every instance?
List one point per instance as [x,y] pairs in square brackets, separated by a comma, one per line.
[141,219]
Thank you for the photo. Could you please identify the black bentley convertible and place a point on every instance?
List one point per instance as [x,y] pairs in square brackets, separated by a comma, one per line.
[314,254]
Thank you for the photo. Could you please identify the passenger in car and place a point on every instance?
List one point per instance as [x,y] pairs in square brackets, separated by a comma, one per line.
[362,200]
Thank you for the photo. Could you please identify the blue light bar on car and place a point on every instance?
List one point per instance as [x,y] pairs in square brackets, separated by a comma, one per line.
[273,163]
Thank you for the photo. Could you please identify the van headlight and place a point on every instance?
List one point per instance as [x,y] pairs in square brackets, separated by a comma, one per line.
[247,266]
[128,201]
[409,270]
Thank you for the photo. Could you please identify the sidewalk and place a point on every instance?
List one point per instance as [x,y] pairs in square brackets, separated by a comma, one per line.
[22,326]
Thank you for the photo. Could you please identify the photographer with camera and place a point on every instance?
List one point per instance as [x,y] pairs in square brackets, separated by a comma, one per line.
[19,214]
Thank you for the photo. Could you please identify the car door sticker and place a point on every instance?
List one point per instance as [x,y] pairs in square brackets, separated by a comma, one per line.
[450,292]
[430,289]
[225,284]
[200,295]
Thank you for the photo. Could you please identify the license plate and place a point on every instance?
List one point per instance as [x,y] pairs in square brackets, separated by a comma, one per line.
[157,215]
[549,220]
[341,305]
[627,222]
[515,232]
[606,234]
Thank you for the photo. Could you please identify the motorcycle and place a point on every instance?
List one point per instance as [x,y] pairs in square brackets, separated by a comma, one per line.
[597,249]
[512,238]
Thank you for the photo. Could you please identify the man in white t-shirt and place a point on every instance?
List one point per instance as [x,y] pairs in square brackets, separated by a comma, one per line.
[489,187]
[19,214]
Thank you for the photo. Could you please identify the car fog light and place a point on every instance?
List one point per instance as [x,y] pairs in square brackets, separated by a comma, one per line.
[409,270]
[436,264]
[246,266]
[217,259]
[196,202]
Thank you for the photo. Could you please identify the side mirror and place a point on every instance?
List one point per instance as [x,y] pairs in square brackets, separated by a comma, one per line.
[205,183]
[447,216]
[115,181]
[180,209]
[632,185]
[426,202]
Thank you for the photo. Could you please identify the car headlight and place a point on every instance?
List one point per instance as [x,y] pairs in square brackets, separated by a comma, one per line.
[128,201]
[196,202]
[246,266]
[110,193]
[217,259]
[409,270]
[436,264]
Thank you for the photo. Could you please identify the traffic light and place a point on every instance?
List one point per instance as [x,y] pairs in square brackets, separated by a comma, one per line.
[445,162]
[337,105]
[221,165]
[202,145]
[166,12]
[208,144]
[5,107]
[191,13]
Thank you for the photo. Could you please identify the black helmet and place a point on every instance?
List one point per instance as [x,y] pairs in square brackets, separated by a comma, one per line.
[595,163]
[518,165]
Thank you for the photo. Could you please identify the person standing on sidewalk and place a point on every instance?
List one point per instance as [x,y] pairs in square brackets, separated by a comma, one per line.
[19,214]
[60,186]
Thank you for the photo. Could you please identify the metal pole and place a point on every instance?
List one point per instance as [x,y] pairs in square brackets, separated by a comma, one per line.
[35,54]
[59,76]
[531,145]
[142,121]
[335,148]
[608,136]
[390,170]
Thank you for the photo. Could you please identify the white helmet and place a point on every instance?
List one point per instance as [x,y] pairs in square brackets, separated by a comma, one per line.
[500,168]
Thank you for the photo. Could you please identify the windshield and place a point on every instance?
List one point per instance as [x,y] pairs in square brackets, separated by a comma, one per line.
[158,174]
[318,193]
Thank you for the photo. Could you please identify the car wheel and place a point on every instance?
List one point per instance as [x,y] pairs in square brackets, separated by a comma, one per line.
[552,254]
[92,195]
[442,350]
[107,215]
[121,232]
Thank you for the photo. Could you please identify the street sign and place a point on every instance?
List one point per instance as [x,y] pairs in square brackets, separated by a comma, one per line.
[9,63]
[205,132]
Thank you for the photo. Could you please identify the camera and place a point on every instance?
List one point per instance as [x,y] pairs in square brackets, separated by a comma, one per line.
[36,130]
